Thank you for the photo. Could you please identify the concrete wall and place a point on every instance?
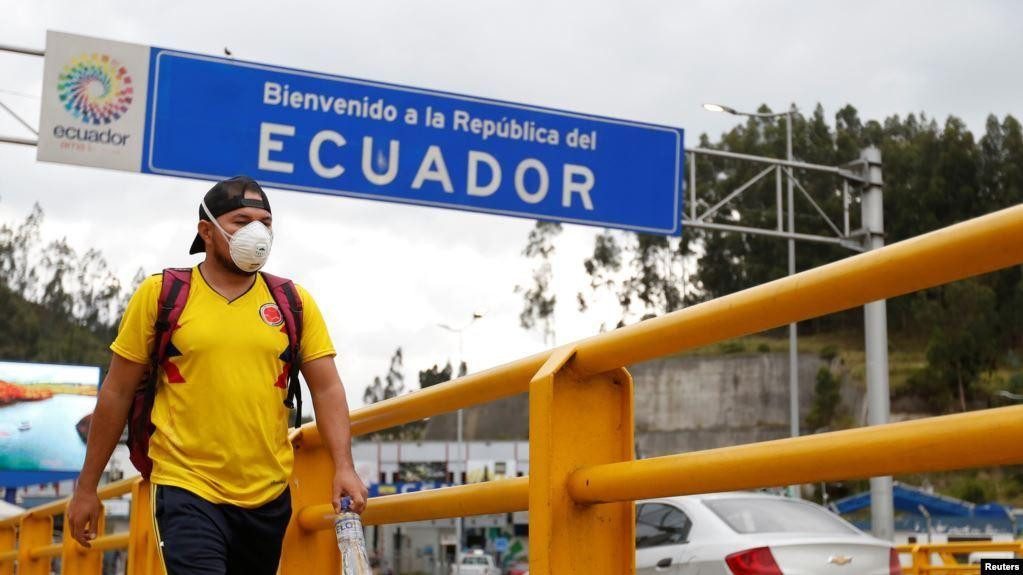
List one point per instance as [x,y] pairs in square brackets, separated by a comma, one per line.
[685,403]
[690,403]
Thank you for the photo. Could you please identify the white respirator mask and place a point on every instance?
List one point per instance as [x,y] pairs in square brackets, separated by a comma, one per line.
[250,246]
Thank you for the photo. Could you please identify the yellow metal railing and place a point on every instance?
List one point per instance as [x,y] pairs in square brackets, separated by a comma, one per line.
[922,555]
[583,475]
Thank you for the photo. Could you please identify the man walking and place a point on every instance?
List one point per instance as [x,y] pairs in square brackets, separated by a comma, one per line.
[219,449]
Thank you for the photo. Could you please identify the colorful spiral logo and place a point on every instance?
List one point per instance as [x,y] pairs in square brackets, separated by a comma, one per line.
[95,89]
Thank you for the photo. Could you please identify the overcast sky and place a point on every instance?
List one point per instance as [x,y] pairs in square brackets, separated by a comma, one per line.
[386,274]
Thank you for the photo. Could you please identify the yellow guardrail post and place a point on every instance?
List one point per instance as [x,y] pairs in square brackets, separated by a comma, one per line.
[143,554]
[8,539]
[922,553]
[77,560]
[310,551]
[576,421]
[34,531]
[921,561]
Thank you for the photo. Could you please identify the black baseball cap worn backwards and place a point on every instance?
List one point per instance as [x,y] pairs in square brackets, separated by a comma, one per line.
[227,196]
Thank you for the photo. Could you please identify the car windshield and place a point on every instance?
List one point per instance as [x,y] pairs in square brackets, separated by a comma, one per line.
[470,560]
[758,515]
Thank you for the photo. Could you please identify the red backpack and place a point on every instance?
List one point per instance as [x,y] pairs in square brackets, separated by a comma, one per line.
[173,296]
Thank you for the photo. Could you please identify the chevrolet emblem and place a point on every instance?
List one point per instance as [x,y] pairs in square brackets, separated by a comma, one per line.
[840,560]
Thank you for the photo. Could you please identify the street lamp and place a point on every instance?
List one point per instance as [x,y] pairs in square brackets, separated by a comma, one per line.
[793,359]
[476,315]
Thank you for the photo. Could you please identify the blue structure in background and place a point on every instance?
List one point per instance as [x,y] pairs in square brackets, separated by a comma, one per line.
[947,513]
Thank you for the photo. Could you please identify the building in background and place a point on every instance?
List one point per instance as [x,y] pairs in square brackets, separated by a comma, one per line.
[429,546]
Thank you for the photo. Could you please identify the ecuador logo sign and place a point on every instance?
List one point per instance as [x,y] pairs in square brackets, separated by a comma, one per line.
[95,89]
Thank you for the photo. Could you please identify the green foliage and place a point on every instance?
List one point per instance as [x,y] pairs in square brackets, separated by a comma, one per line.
[58,306]
[963,322]
[1016,383]
[732,346]
[935,174]
[763,348]
[827,400]
[31,332]
[434,375]
[654,279]
[538,299]
[969,488]
[829,352]
[392,384]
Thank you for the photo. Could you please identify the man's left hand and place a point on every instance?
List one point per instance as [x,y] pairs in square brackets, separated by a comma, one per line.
[347,482]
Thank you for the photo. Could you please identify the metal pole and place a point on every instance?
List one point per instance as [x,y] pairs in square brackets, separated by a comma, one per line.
[21,141]
[19,119]
[875,320]
[21,50]
[461,466]
[692,186]
[793,350]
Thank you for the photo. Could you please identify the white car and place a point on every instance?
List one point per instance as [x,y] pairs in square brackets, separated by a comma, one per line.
[753,533]
[476,563]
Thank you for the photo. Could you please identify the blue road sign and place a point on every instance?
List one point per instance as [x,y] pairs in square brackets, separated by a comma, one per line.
[181,114]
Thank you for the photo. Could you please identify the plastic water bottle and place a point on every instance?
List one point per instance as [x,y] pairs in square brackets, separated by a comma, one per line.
[351,541]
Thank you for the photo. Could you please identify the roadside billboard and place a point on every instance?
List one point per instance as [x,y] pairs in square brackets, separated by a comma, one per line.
[45,412]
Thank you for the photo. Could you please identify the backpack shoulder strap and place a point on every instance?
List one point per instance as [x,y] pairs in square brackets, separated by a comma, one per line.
[286,297]
[173,296]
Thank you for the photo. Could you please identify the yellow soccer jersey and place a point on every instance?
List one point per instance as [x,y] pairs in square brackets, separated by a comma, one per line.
[221,424]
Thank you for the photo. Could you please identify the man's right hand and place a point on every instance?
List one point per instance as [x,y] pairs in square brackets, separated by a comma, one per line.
[83,515]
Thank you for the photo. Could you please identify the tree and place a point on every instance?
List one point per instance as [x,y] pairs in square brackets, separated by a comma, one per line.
[432,376]
[539,299]
[647,284]
[827,398]
[393,383]
[962,318]
[60,306]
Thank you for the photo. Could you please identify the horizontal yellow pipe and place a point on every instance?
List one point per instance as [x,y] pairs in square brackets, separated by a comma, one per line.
[117,488]
[108,491]
[500,496]
[6,556]
[105,543]
[52,550]
[970,248]
[974,439]
[108,542]
[481,387]
[962,547]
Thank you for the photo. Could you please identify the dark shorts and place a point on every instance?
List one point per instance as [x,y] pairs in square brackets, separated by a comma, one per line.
[202,538]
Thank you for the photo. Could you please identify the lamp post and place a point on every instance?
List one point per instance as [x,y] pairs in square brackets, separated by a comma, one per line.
[476,315]
[791,222]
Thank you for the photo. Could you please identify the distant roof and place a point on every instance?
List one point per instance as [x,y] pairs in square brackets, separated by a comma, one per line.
[910,499]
